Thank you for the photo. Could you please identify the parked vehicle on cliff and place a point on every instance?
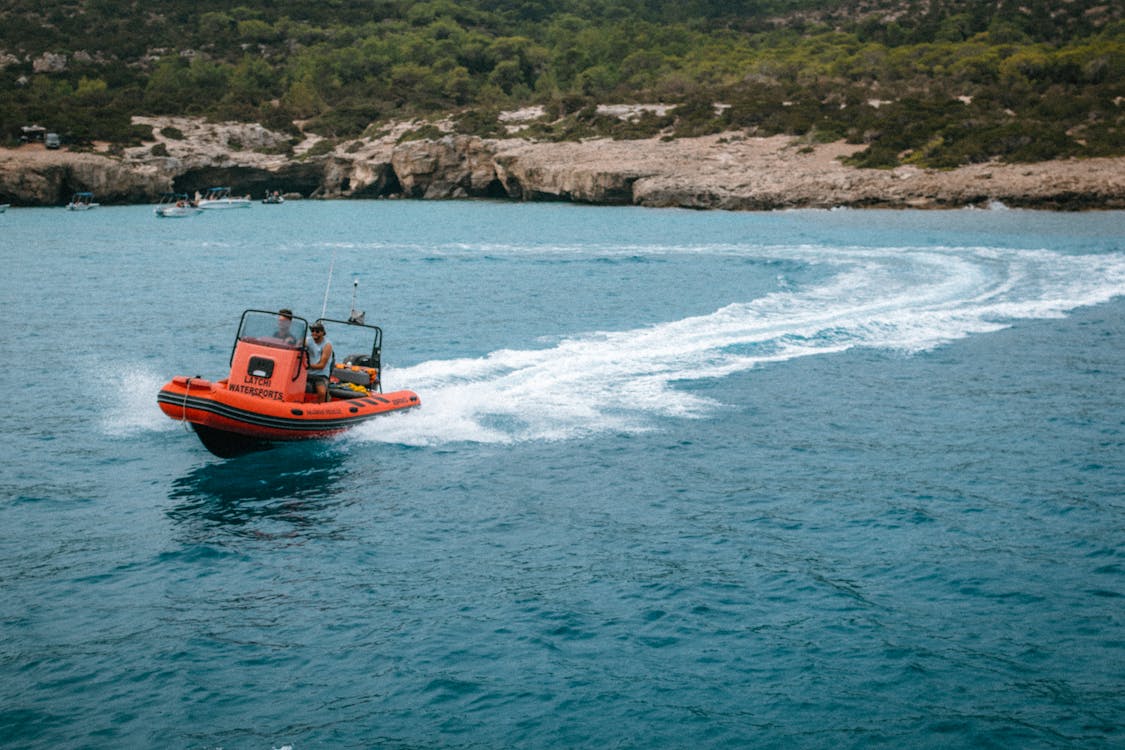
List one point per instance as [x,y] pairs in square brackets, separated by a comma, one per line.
[176,206]
[220,197]
[32,134]
[82,202]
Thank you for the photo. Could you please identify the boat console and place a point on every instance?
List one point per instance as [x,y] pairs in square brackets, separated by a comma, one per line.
[268,358]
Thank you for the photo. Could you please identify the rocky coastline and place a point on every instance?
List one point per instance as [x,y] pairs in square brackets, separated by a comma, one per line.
[727,171]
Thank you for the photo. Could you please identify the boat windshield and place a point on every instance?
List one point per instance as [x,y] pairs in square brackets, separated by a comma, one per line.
[354,343]
[272,329]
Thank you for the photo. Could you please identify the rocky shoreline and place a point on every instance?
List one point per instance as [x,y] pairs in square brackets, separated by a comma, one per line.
[727,171]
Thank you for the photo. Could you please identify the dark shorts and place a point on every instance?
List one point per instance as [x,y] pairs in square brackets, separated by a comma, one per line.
[310,386]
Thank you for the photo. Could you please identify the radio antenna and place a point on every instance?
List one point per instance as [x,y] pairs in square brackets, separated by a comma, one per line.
[355,317]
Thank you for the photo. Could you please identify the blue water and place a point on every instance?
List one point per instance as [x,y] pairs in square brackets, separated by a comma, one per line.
[807,479]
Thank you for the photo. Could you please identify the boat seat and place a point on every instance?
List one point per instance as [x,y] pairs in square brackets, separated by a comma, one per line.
[363,360]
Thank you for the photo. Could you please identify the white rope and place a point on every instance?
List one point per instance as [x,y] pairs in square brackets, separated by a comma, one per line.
[183,413]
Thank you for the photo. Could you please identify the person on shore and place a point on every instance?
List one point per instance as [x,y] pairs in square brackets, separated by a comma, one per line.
[284,324]
[319,351]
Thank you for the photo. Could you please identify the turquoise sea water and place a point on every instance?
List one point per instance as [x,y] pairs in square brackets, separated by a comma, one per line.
[805,479]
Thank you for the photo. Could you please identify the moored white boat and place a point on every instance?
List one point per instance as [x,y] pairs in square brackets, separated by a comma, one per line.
[220,197]
[176,206]
[83,201]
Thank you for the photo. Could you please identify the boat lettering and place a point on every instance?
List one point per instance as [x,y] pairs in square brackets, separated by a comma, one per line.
[258,392]
[252,380]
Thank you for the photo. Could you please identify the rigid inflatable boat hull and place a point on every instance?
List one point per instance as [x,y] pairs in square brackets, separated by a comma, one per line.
[230,423]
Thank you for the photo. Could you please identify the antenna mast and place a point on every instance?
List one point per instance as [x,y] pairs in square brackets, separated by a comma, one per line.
[331,265]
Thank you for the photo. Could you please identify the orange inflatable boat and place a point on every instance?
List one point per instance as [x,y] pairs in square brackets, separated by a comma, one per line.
[263,400]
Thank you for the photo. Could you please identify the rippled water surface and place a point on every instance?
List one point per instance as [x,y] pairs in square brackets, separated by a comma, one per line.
[803,479]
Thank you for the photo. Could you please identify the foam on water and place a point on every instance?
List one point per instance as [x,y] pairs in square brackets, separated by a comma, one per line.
[907,299]
[128,401]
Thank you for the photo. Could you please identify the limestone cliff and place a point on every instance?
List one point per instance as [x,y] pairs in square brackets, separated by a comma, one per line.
[728,171]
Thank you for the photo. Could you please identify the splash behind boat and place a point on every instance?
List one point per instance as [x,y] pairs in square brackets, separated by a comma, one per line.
[263,399]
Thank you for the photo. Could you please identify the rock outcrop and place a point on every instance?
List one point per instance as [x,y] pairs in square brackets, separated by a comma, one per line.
[451,167]
[31,178]
[729,171]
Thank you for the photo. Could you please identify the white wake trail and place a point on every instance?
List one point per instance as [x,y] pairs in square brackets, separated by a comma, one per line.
[898,298]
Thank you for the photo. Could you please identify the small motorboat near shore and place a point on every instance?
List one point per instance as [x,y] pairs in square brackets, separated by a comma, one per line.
[263,399]
[176,206]
[82,202]
[220,197]
[273,198]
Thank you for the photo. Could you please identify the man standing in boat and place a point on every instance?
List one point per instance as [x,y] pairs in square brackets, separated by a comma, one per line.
[319,351]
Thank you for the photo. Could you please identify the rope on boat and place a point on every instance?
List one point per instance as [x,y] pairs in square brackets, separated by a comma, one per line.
[183,410]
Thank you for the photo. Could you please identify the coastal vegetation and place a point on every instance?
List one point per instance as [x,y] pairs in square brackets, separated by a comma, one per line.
[937,83]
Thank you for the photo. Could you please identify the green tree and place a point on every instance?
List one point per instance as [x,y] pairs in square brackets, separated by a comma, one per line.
[170,87]
[251,82]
